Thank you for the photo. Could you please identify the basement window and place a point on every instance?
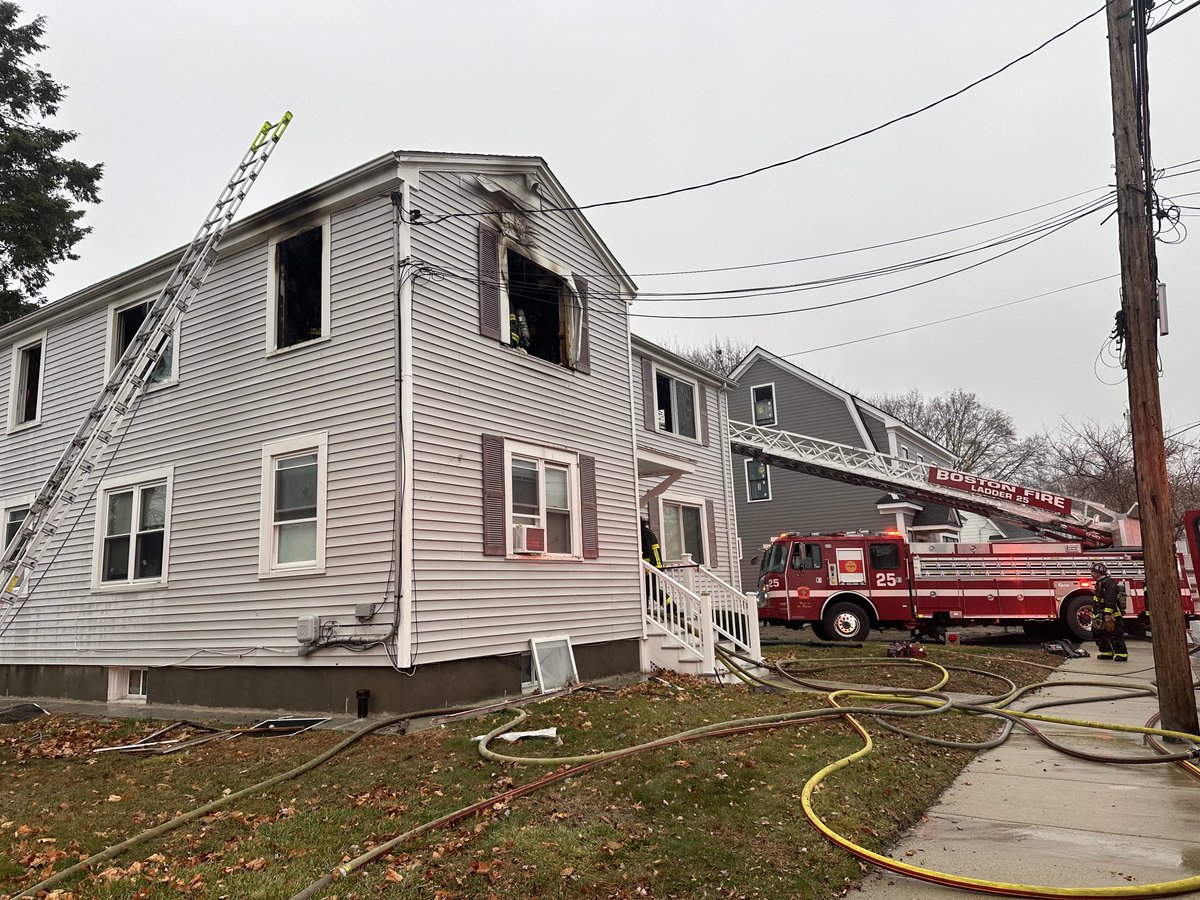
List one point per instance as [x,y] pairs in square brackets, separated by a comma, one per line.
[299,286]
[544,311]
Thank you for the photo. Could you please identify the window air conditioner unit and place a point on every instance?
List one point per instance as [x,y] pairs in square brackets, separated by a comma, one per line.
[528,539]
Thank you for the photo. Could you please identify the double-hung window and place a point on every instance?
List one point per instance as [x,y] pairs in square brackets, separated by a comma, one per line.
[292,529]
[25,394]
[544,506]
[14,516]
[124,324]
[758,481]
[676,405]
[133,529]
[298,287]
[763,398]
[683,531]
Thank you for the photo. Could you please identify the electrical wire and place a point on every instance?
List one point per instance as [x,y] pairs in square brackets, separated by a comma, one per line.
[795,159]
[976,312]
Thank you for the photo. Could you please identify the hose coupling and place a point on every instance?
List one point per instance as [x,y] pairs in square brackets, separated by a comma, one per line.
[340,872]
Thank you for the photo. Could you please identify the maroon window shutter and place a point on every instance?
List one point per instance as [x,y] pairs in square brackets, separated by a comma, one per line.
[489,281]
[649,409]
[711,514]
[584,363]
[588,514]
[495,514]
[703,415]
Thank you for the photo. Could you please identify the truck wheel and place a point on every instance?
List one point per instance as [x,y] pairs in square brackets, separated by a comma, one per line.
[846,621]
[1077,618]
[819,632]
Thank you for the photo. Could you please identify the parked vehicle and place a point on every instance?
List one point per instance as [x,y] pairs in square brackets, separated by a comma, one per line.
[843,585]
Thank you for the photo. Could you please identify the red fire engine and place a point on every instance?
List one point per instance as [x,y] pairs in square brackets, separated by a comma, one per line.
[842,585]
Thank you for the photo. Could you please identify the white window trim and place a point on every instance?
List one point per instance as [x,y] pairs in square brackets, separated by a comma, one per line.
[563,272]
[698,412]
[15,502]
[559,457]
[110,343]
[118,482]
[267,568]
[750,499]
[683,500]
[774,405]
[20,347]
[322,222]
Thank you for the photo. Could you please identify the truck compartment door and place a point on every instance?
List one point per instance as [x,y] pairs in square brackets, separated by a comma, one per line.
[850,567]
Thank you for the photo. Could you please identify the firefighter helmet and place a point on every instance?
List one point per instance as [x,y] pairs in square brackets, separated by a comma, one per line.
[1099,569]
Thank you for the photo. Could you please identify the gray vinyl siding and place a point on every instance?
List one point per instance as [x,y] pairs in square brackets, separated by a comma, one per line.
[466,385]
[231,398]
[799,502]
[711,480]
[877,430]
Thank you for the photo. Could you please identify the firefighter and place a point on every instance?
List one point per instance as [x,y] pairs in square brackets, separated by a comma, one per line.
[1108,626]
[652,553]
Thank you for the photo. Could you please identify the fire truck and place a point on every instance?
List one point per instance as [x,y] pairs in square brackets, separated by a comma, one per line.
[843,585]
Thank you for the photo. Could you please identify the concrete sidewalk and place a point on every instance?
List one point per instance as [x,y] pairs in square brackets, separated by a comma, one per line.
[1026,814]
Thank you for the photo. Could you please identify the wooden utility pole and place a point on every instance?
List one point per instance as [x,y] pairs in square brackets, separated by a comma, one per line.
[1176,701]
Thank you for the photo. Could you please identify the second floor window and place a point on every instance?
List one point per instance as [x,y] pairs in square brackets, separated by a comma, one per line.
[27,383]
[125,325]
[758,481]
[764,404]
[676,405]
[298,283]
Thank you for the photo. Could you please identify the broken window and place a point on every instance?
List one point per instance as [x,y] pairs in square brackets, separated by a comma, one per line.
[544,311]
[126,324]
[134,537]
[300,288]
[676,401]
[27,395]
[764,404]
[758,481]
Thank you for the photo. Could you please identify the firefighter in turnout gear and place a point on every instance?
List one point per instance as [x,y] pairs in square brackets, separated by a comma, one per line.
[652,553]
[1108,626]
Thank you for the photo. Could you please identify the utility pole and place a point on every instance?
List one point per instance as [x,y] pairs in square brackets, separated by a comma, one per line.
[1135,208]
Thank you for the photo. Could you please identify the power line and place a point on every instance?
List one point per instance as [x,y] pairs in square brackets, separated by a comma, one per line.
[1168,21]
[795,159]
[919,237]
[975,312]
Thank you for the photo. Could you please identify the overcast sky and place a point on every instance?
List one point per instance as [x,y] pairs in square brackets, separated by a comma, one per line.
[628,98]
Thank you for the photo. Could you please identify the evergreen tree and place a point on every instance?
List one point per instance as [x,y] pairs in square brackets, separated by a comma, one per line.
[39,190]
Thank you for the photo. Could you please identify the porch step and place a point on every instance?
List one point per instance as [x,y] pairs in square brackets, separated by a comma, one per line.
[666,654]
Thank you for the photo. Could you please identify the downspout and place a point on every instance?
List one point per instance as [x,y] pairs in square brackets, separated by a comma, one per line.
[402,242]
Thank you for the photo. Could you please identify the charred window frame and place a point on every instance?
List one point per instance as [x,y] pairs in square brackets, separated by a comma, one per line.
[298,287]
[124,322]
[545,310]
[28,381]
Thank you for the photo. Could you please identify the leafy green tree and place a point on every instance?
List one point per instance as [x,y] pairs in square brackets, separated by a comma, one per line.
[40,191]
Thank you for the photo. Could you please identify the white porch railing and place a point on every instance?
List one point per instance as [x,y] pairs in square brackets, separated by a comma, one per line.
[696,609]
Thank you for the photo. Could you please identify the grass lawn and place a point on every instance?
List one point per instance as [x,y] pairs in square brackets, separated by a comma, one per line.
[716,818]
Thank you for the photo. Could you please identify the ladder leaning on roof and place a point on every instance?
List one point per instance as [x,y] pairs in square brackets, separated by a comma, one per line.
[131,374]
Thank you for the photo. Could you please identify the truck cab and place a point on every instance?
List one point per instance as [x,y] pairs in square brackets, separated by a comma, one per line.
[841,584]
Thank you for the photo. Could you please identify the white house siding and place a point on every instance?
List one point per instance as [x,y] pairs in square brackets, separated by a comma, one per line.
[711,479]
[466,385]
[230,399]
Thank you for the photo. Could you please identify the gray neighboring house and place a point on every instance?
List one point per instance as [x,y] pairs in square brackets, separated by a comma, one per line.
[396,440]
[774,393]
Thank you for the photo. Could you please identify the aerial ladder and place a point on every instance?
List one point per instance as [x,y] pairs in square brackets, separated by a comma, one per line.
[127,382]
[1091,524]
